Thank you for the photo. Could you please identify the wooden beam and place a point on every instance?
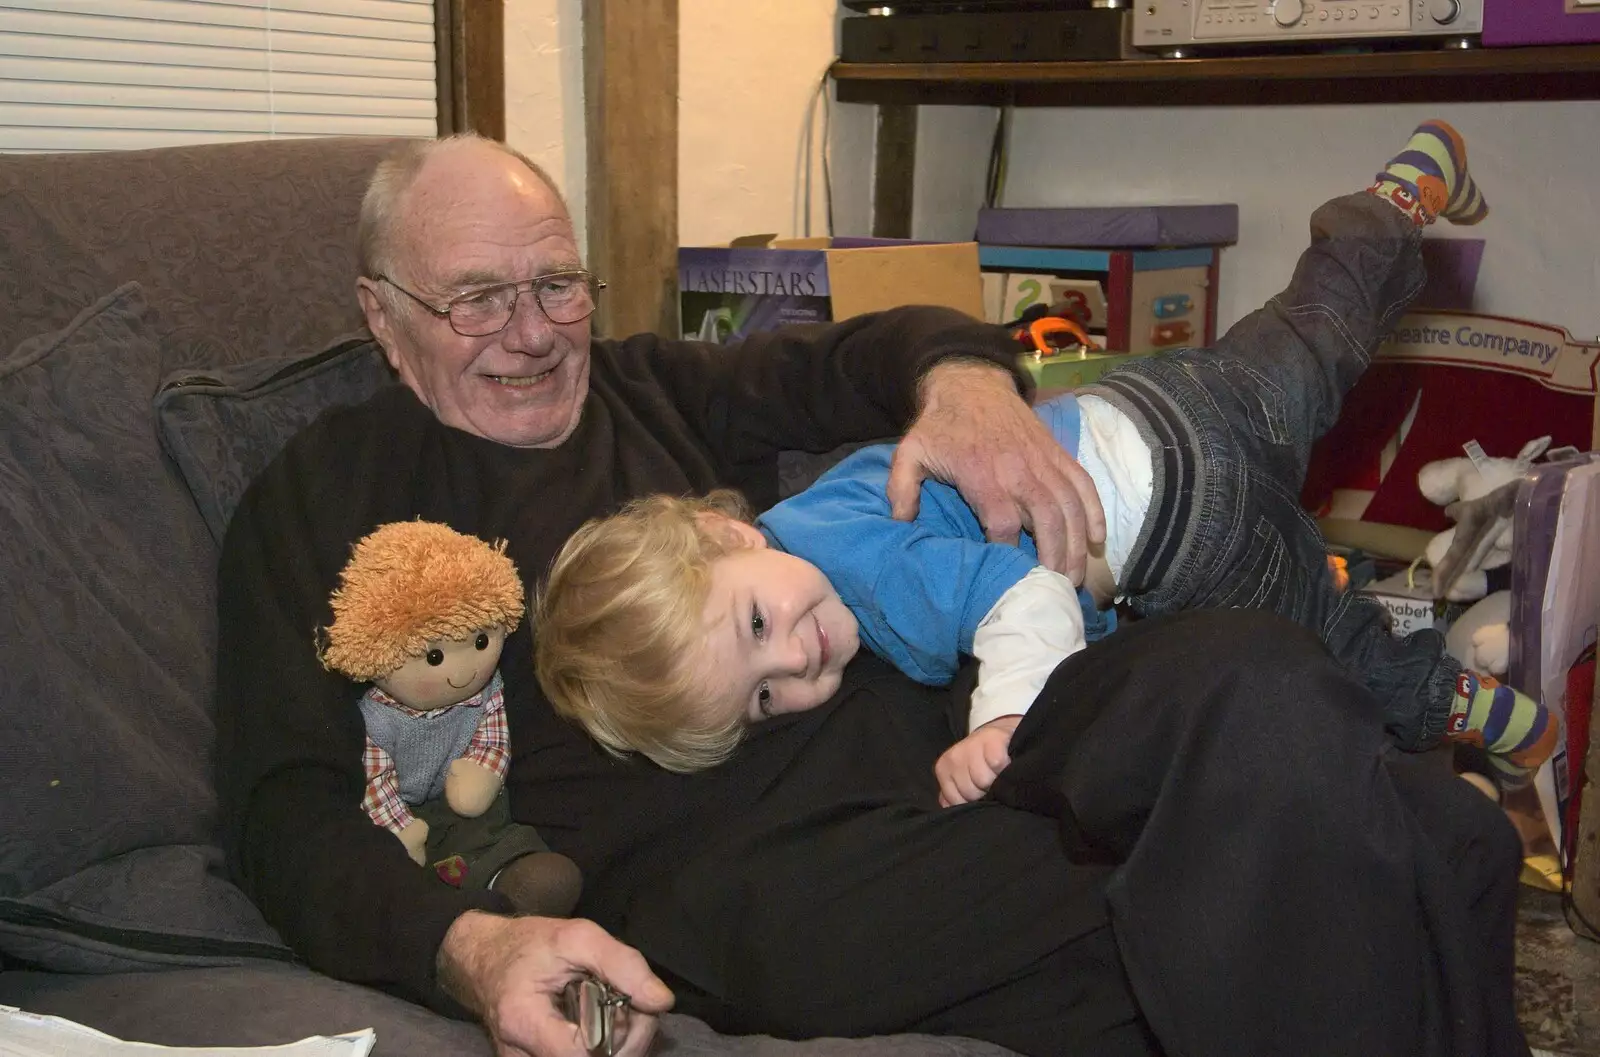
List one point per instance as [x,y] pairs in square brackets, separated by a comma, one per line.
[894,171]
[630,66]
[470,45]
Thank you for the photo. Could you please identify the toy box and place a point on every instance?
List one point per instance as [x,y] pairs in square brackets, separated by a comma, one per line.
[1138,277]
[1070,370]
[729,291]
[1131,301]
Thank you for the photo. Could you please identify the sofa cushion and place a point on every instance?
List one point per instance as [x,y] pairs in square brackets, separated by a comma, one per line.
[272,1004]
[243,249]
[106,634]
[223,426]
[45,280]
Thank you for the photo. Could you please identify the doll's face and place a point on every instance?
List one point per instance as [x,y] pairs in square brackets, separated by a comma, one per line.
[448,672]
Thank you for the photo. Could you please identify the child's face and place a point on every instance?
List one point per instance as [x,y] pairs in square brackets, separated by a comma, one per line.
[448,672]
[777,635]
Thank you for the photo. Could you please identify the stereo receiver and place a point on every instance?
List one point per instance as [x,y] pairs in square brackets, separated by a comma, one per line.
[1167,24]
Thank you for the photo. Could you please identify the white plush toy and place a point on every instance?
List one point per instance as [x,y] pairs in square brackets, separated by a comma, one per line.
[1477,493]
[1481,637]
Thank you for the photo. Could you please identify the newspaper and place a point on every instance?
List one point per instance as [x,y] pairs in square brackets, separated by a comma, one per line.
[25,1034]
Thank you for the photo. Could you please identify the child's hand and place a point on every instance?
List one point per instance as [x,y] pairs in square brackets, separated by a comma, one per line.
[969,767]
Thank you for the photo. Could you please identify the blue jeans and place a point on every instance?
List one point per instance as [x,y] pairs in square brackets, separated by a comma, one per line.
[1230,430]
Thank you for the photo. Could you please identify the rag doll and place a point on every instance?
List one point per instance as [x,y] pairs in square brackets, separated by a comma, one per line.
[421,614]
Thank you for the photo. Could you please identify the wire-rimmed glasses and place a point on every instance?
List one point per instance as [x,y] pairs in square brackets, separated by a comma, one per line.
[565,297]
[600,1012]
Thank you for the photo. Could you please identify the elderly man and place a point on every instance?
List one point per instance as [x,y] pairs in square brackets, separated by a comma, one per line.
[813,885]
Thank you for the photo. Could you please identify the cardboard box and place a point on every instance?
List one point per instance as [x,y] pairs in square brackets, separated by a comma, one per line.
[1132,301]
[729,291]
[1411,605]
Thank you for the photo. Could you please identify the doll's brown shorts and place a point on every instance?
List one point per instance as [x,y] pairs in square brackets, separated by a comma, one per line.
[468,852]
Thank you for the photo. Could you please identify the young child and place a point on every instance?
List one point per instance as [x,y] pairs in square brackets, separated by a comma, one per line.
[669,627]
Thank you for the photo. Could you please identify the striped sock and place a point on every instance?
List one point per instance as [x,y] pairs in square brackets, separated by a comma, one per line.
[1516,731]
[1429,178]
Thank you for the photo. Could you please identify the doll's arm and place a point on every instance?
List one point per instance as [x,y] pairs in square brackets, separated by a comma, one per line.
[476,775]
[491,741]
[385,806]
[382,798]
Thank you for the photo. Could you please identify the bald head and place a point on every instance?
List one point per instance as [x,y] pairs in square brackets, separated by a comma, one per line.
[412,178]
[457,218]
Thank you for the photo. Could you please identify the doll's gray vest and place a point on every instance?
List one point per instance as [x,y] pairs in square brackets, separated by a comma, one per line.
[422,747]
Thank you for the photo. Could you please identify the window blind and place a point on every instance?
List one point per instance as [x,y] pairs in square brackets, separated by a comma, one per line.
[128,74]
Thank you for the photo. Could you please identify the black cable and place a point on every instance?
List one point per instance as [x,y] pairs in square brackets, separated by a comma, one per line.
[827,155]
[995,179]
[1569,910]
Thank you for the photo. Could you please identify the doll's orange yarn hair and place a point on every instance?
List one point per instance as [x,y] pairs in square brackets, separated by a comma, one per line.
[411,582]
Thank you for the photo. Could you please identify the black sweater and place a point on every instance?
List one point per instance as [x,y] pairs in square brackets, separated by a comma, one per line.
[659,416]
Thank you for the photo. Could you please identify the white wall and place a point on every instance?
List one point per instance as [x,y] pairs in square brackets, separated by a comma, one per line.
[544,92]
[747,77]
[1538,164]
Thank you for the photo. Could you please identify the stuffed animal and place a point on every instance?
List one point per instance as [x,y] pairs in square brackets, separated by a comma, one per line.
[421,614]
[1480,638]
[1478,494]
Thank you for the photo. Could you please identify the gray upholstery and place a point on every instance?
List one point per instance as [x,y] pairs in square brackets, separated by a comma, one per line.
[105,641]
[269,1004]
[224,270]
[244,250]
[223,426]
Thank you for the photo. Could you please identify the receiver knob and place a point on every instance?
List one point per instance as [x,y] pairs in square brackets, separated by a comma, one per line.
[1288,12]
[1444,12]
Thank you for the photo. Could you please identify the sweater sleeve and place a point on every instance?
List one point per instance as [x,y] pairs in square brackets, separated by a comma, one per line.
[1035,626]
[918,589]
[340,890]
[812,388]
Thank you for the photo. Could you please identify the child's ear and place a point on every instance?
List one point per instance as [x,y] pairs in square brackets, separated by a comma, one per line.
[731,531]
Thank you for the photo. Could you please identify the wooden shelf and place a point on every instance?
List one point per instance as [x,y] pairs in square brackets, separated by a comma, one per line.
[1440,75]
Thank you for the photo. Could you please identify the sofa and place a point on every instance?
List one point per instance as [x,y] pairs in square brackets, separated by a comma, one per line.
[168,318]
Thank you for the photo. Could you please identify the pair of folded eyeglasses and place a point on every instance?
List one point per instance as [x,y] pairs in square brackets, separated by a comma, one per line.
[599,1010]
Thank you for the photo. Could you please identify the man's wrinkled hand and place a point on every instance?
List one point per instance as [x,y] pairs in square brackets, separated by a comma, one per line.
[969,767]
[976,433]
[510,971]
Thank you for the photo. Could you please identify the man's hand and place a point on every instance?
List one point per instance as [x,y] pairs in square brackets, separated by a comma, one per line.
[969,767]
[510,971]
[976,433]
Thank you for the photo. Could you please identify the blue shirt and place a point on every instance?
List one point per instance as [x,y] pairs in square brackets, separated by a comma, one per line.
[918,589]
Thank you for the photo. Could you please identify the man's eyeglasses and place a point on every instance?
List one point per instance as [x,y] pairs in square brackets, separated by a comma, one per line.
[566,297]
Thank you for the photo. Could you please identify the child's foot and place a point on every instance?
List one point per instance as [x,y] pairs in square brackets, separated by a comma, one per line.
[1429,179]
[1517,732]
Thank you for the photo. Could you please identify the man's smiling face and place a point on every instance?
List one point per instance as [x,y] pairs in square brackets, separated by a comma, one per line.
[472,217]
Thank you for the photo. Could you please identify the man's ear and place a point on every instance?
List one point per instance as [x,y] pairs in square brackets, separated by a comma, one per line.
[376,311]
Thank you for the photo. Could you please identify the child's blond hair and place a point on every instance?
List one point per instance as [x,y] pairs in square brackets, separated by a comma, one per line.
[409,583]
[619,625]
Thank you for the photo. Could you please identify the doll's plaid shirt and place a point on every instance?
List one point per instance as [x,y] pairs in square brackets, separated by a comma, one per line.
[490,746]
